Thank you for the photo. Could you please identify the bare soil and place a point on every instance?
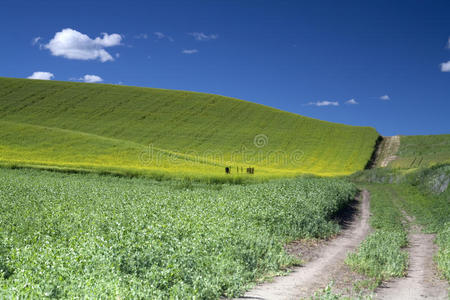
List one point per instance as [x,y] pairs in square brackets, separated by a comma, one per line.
[388,150]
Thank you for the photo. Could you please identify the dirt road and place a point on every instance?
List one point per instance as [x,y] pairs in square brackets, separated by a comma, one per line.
[317,273]
[389,150]
[421,281]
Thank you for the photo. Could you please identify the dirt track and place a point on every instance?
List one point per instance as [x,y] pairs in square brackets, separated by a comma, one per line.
[317,273]
[389,150]
[421,281]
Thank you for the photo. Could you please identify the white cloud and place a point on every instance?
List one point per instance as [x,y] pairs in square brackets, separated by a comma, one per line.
[160,36]
[42,76]
[189,51]
[324,103]
[445,67]
[140,36]
[72,44]
[351,101]
[200,36]
[385,97]
[91,78]
[36,40]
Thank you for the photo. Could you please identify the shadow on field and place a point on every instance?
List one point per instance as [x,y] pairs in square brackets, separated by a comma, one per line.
[346,215]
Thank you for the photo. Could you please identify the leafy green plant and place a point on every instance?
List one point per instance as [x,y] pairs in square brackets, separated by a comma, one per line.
[328,294]
[381,256]
[90,236]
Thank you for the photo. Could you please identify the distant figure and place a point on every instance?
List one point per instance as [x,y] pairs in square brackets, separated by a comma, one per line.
[227,170]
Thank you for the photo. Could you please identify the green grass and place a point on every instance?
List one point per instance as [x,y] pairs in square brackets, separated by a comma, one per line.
[92,236]
[426,195]
[434,214]
[421,151]
[327,293]
[422,193]
[118,129]
[381,256]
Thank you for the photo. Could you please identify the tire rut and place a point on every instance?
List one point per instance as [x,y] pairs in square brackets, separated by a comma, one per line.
[317,273]
[422,281]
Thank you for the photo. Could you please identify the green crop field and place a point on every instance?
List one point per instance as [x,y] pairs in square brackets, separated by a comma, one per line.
[93,236]
[111,128]
[422,151]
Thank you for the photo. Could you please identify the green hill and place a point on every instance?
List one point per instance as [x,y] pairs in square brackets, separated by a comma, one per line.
[422,151]
[177,133]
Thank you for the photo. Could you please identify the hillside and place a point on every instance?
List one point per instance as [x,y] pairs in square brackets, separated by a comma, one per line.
[144,130]
[417,151]
[422,151]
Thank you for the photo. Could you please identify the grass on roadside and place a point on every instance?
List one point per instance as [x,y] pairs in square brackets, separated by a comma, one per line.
[424,194]
[328,294]
[381,256]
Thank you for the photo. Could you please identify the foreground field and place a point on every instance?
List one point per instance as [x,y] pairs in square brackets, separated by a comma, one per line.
[131,130]
[76,236]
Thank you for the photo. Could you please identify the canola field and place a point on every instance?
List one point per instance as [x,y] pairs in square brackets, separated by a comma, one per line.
[167,133]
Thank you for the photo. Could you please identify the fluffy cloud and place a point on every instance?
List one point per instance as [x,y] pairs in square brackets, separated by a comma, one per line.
[42,76]
[324,103]
[72,44]
[91,78]
[189,51]
[200,36]
[351,101]
[385,97]
[445,67]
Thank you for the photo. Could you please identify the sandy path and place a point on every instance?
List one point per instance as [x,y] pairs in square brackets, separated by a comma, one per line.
[317,273]
[389,151]
[421,281]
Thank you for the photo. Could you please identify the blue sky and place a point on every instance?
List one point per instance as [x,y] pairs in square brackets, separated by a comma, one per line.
[306,57]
